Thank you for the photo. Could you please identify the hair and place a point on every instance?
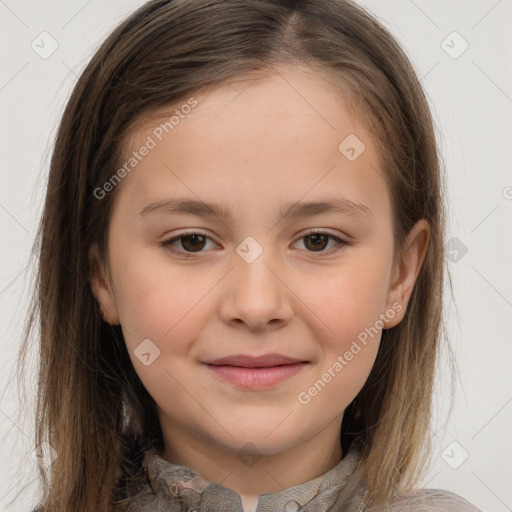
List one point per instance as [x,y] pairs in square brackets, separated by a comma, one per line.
[89,397]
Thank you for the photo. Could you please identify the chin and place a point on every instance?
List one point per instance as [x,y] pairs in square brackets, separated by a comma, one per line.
[268,438]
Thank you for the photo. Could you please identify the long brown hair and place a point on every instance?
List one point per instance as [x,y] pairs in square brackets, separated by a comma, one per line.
[89,395]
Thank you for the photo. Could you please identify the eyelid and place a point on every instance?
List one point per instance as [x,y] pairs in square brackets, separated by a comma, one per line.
[341,241]
[198,231]
[166,243]
[324,231]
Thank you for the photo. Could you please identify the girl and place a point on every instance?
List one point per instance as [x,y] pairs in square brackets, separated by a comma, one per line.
[241,268]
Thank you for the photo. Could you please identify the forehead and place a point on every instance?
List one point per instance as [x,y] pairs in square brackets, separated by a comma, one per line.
[288,135]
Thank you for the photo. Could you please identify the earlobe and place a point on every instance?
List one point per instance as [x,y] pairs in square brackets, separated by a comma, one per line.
[102,288]
[406,271]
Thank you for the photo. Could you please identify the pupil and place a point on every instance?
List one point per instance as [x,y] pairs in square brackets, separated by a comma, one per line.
[194,237]
[317,238]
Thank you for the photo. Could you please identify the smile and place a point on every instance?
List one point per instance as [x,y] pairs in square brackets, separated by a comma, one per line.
[256,377]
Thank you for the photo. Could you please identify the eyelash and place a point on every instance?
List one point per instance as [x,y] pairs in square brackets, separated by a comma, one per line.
[167,243]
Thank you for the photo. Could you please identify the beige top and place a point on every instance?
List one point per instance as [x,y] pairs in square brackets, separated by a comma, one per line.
[160,485]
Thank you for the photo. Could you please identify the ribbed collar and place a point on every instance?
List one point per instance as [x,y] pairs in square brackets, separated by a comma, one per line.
[174,483]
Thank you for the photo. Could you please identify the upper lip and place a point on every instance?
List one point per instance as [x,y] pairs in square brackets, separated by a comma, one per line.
[245,361]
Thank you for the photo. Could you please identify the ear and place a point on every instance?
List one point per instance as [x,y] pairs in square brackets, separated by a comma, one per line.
[102,288]
[405,272]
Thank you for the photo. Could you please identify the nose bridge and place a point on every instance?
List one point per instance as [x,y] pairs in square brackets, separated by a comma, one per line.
[256,295]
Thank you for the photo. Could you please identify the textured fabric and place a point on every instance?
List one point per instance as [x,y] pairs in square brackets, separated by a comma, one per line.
[429,500]
[156,484]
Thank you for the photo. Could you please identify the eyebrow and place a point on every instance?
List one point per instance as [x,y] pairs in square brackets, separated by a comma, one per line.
[190,206]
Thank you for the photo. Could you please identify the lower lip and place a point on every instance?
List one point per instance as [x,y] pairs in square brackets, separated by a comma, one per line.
[257,377]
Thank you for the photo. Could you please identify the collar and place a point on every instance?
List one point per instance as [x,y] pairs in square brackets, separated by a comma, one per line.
[176,483]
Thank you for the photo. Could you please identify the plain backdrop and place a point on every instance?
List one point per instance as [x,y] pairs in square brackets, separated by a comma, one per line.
[462,52]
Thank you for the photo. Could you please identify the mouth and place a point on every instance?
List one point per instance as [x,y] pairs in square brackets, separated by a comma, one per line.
[256,372]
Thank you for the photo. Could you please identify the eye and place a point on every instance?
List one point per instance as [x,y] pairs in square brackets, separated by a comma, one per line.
[193,242]
[317,241]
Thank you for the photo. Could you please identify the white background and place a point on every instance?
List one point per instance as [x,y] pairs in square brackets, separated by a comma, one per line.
[471,97]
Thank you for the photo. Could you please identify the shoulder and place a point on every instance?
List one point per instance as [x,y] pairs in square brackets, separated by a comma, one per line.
[431,500]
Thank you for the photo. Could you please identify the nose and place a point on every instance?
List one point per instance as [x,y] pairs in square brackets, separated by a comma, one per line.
[256,294]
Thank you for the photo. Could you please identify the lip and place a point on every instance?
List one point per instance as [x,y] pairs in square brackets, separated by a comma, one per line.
[256,372]
[247,361]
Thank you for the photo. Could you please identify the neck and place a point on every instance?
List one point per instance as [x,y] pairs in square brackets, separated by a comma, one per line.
[253,471]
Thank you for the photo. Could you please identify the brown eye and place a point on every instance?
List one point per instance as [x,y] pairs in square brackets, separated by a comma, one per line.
[188,243]
[318,241]
[193,242]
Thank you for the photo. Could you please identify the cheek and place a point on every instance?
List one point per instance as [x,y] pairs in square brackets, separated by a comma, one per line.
[349,311]
[349,299]
[348,308]
[165,304]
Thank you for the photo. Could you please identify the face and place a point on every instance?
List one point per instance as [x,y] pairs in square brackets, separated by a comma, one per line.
[294,295]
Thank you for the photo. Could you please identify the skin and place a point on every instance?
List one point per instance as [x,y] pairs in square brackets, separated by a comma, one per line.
[254,146]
